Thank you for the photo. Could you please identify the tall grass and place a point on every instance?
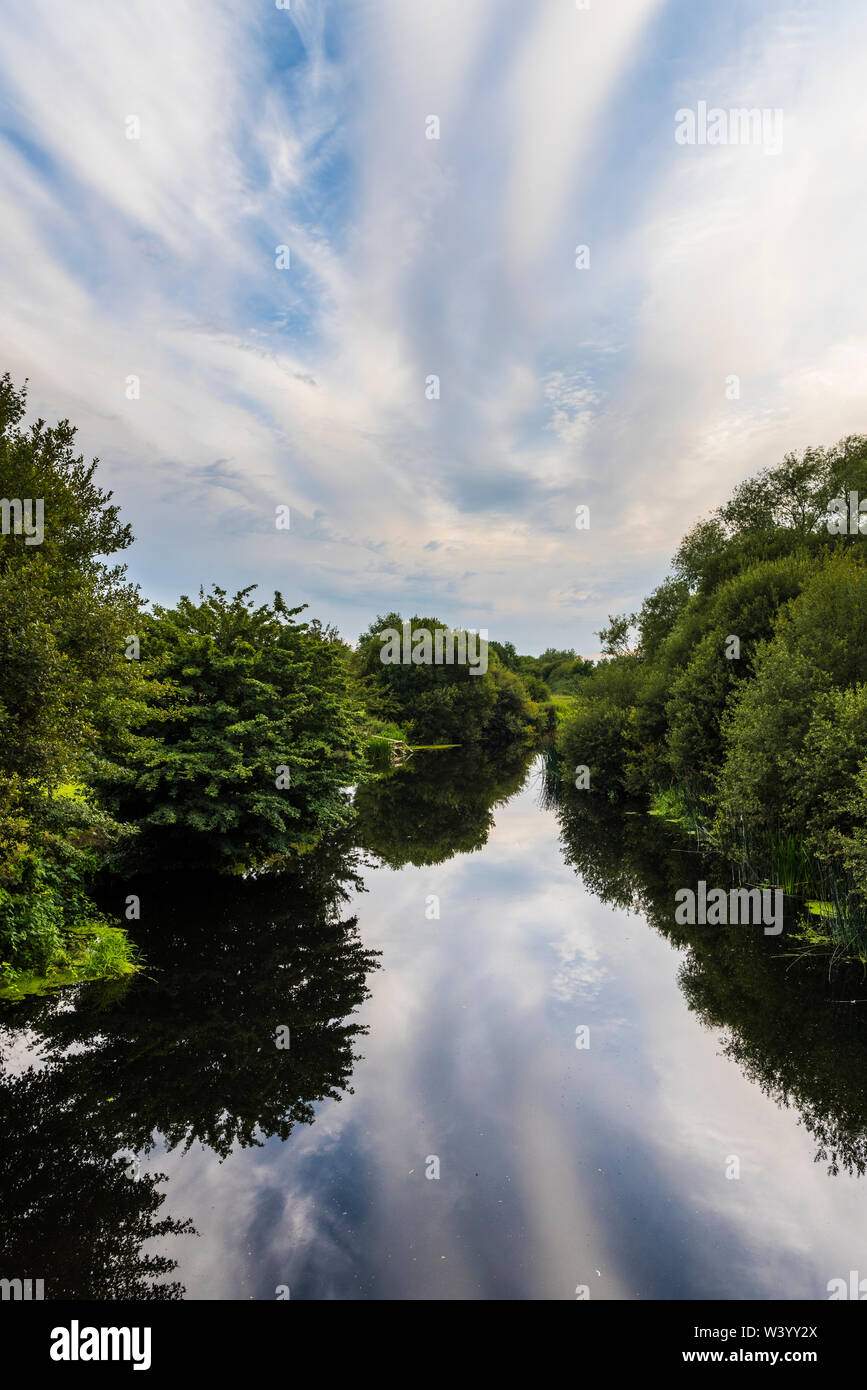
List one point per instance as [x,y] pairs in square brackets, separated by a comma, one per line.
[834,918]
[783,860]
[551,778]
[378,751]
[834,914]
[837,919]
[90,950]
[677,804]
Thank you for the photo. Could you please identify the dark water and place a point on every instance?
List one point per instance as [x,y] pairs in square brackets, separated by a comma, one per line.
[415,1038]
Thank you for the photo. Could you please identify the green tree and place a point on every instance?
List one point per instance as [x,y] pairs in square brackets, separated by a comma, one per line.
[615,637]
[65,614]
[444,702]
[819,645]
[743,608]
[64,611]
[257,736]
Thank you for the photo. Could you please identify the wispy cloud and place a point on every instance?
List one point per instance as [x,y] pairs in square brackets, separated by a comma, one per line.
[413,258]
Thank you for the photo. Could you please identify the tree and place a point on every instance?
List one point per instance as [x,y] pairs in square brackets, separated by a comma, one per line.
[819,644]
[65,612]
[449,702]
[255,740]
[615,636]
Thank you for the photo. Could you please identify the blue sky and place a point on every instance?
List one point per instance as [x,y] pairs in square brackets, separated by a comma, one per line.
[606,386]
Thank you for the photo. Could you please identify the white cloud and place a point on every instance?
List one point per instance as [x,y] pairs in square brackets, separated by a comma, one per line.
[412,257]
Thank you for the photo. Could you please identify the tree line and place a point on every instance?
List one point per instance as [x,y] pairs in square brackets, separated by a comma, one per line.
[219,734]
[735,700]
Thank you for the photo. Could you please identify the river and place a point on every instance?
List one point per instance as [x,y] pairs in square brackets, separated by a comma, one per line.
[505,1075]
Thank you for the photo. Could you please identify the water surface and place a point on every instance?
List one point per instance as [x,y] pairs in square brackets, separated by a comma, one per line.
[432,979]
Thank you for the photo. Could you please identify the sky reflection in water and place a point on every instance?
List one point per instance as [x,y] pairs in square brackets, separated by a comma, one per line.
[559,1167]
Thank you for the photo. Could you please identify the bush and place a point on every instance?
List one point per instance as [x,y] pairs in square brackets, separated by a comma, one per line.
[449,703]
[247,760]
[594,734]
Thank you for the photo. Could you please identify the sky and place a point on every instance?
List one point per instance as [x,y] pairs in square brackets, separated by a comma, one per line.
[155,155]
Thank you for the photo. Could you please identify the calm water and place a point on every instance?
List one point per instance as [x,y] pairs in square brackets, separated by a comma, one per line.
[415,1038]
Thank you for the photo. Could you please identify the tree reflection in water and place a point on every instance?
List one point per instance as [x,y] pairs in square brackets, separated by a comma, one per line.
[778,1009]
[185,1051]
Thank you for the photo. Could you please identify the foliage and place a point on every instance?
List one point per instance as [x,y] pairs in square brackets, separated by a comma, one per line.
[441,702]
[744,693]
[247,759]
[438,805]
[65,614]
